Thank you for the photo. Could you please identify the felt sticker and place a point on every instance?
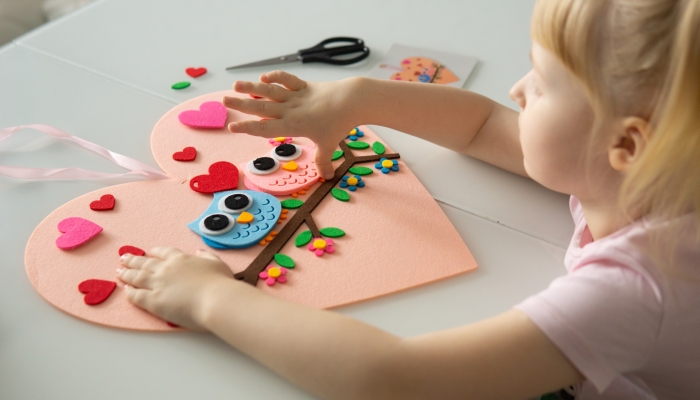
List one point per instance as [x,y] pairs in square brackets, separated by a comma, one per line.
[76,231]
[292,203]
[96,290]
[260,173]
[131,250]
[340,194]
[180,85]
[360,170]
[211,115]
[378,148]
[303,238]
[337,154]
[222,176]
[105,203]
[187,154]
[196,72]
[358,145]
[332,232]
[284,261]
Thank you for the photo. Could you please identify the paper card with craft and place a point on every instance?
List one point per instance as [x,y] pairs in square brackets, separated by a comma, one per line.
[414,64]
[261,206]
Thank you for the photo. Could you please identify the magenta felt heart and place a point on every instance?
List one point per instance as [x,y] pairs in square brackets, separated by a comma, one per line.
[76,231]
[211,115]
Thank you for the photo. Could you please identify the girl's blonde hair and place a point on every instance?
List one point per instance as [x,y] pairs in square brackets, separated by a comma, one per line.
[638,58]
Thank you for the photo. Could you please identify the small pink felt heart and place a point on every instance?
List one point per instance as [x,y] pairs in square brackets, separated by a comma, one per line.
[211,115]
[195,72]
[76,231]
[96,290]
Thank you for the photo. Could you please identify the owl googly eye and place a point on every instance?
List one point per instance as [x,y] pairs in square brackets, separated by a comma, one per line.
[235,203]
[216,224]
[263,165]
[287,152]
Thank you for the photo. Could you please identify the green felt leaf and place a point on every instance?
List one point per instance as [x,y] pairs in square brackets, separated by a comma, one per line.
[337,154]
[378,148]
[358,145]
[332,232]
[304,238]
[284,261]
[340,194]
[292,203]
[360,170]
[180,85]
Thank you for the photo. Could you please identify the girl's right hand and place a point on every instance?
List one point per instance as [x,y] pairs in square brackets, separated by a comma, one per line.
[322,111]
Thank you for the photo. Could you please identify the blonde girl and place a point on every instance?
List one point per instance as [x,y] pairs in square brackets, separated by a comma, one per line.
[610,114]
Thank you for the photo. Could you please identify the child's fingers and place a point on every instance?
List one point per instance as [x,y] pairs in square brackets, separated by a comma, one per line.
[267,128]
[261,108]
[137,296]
[272,92]
[285,79]
[207,255]
[133,262]
[164,253]
[323,162]
[135,277]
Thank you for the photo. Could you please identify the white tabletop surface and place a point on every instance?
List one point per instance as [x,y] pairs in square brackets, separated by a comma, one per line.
[84,73]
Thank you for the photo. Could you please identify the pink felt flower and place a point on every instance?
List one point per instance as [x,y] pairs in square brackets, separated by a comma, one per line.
[274,274]
[320,246]
[280,140]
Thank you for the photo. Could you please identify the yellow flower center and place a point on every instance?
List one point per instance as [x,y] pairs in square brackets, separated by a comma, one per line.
[352,181]
[353,131]
[280,139]
[274,272]
[387,164]
[319,244]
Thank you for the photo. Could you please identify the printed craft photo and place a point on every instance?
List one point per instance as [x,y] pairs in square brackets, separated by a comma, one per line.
[261,206]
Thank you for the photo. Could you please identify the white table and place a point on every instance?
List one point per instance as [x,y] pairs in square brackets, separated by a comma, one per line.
[119,57]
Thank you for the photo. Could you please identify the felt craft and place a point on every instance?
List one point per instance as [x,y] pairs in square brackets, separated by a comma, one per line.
[260,173]
[131,250]
[360,170]
[358,145]
[76,231]
[222,176]
[255,97]
[284,261]
[180,85]
[366,263]
[332,232]
[292,203]
[303,238]
[336,155]
[189,153]
[105,203]
[425,70]
[378,148]
[196,72]
[273,275]
[340,194]
[96,290]
[211,115]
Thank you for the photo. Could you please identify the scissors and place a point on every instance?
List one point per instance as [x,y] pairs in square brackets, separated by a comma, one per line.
[320,53]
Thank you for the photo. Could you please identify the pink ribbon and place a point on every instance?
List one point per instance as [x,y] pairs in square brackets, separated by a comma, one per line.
[134,167]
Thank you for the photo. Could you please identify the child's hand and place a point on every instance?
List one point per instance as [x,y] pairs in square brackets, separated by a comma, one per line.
[171,284]
[321,111]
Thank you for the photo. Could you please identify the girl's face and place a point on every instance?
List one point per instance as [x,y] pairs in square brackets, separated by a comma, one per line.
[555,122]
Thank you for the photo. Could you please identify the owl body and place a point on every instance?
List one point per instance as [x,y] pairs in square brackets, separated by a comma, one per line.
[287,169]
[237,219]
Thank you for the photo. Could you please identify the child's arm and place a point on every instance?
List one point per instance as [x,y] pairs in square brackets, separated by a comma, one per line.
[337,357]
[326,111]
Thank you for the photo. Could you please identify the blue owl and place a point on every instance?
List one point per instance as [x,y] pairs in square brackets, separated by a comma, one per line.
[237,219]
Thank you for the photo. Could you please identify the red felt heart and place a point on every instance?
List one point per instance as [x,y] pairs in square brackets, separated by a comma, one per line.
[222,176]
[131,250]
[187,154]
[195,72]
[96,290]
[105,203]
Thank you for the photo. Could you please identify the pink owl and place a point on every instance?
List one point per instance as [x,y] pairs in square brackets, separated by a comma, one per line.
[287,169]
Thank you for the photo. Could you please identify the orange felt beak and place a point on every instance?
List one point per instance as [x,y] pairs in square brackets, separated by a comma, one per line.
[245,218]
[290,166]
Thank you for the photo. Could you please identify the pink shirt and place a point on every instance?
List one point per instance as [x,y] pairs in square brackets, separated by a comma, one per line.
[631,330]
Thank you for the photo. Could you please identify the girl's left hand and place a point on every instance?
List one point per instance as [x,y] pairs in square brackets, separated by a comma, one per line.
[172,284]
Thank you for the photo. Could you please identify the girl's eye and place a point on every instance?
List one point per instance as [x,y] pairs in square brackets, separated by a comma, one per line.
[235,203]
[263,165]
[216,224]
[287,152]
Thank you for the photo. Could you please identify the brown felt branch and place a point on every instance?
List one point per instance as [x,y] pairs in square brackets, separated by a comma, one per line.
[303,214]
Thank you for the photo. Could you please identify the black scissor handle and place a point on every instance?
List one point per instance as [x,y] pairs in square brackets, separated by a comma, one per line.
[323,54]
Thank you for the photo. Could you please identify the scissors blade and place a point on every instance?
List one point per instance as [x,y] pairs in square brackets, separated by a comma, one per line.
[294,57]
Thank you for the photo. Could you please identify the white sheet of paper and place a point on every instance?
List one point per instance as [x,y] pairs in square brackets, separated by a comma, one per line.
[415,64]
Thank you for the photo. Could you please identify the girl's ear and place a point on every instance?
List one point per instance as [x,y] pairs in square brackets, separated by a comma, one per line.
[629,143]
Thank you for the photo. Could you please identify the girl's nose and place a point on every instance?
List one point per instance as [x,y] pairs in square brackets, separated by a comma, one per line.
[517,92]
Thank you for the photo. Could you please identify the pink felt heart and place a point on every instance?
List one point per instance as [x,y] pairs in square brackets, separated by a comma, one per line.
[211,115]
[76,231]
[96,290]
